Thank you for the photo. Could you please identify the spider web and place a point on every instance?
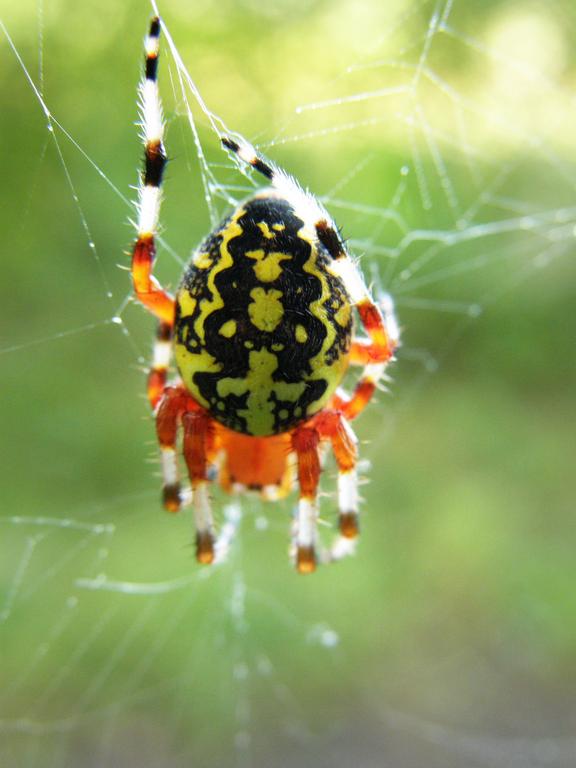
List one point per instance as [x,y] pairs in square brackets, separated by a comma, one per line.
[440,135]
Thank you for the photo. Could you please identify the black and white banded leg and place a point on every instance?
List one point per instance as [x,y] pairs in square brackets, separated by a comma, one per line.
[147,289]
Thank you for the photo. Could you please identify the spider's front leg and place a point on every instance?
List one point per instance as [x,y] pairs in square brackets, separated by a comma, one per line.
[147,289]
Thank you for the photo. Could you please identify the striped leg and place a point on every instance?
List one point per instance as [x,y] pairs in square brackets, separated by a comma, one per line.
[305,205]
[374,353]
[161,359]
[148,290]
[305,443]
[198,447]
[168,415]
[248,154]
[333,426]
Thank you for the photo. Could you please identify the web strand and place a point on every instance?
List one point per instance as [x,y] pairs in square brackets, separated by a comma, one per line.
[470,203]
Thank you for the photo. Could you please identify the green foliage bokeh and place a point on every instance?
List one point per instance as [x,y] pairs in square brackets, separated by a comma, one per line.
[459,604]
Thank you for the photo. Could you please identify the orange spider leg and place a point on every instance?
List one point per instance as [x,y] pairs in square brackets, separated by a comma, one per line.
[379,346]
[199,446]
[373,353]
[148,290]
[305,443]
[170,409]
[159,369]
[333,426]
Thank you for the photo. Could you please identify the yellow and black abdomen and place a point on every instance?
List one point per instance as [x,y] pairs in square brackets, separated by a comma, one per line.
[263,327]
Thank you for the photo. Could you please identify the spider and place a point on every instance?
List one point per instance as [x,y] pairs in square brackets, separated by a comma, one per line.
[261,329]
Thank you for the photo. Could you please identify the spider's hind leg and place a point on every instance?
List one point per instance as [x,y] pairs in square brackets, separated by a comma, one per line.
[168,414]
[305,443]
[329,425]
[333,426]
[199,435]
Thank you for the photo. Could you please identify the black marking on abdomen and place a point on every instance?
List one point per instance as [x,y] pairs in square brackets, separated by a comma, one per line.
[299,290]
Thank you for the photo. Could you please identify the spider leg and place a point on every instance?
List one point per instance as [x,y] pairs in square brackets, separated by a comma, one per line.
[333,426]
[248,154]
[148,290]
[383,333]
[305,205]
[305,443]
[160,361]
[374,353]
[198,446]
[169,412]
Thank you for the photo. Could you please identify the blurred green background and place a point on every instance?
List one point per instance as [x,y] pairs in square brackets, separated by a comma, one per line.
[449,640]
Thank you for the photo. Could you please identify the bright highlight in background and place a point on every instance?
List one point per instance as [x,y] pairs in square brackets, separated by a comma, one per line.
[441,137]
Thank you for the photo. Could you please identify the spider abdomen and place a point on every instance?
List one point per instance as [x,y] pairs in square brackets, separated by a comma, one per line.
[263,326]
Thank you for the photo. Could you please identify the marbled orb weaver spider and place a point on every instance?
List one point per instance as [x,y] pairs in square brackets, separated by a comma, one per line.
[261,328]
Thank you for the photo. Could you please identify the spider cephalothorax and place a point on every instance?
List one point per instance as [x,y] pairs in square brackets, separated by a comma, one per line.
[261,328]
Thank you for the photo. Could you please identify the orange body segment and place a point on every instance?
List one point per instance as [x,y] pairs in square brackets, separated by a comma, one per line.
[255,462]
